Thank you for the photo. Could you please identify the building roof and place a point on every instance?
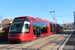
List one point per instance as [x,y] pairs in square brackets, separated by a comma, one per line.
[8,20]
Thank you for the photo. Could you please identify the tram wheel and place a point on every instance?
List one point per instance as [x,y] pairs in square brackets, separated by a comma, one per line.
[13,42]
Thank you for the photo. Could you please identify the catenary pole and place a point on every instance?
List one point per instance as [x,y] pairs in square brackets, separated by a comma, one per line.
[74,21]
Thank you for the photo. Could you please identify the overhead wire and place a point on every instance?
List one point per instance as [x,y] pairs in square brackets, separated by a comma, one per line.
[44,7]
[65,15]
[61,6]
[58,4]
[41,4]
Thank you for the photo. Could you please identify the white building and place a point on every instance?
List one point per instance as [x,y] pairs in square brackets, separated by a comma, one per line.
[7,21]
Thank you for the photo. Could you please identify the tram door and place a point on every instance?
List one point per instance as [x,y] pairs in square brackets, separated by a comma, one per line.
[37,29]
[52,28]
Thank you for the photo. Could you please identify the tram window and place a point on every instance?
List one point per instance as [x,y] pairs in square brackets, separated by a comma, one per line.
[41,24]
[20,26]
[34,27]
[58,27]
[54,27]
[43,27]
[51,27]
[26,27]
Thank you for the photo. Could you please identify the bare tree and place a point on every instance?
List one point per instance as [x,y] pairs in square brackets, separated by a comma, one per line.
[1,18]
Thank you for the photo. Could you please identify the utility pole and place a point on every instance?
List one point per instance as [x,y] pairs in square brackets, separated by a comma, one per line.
[53,16]
[74,21]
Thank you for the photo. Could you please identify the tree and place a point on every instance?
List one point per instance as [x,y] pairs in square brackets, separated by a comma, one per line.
[1,18]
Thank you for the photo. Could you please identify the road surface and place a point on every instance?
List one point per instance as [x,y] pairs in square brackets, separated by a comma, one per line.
[52,42]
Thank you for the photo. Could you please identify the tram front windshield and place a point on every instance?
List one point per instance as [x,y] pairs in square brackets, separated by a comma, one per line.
[20,26]
[16,27]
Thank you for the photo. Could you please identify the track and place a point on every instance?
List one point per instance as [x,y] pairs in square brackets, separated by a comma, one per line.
[52,42]
[11,45]
[40,45]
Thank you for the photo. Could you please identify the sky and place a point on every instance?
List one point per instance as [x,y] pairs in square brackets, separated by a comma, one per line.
[64,9]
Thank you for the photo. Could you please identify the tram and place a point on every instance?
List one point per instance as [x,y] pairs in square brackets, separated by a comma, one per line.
[27,28]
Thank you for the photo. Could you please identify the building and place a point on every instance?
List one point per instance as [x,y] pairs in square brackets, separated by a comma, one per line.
[7,21]
[68,26]
[0,26]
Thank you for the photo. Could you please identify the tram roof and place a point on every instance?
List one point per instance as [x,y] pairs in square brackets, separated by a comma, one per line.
[35,19]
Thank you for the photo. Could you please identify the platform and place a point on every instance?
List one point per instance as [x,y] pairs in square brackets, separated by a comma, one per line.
[70,45]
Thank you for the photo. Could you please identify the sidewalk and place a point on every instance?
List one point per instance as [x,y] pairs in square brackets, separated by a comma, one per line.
[70,45]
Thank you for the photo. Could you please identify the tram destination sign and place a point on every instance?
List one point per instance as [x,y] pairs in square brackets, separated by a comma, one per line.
[19,19]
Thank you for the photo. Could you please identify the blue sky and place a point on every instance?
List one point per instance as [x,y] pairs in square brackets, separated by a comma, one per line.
[64,9]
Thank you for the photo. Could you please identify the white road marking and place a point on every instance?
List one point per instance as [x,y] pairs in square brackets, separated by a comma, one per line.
[62,46]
